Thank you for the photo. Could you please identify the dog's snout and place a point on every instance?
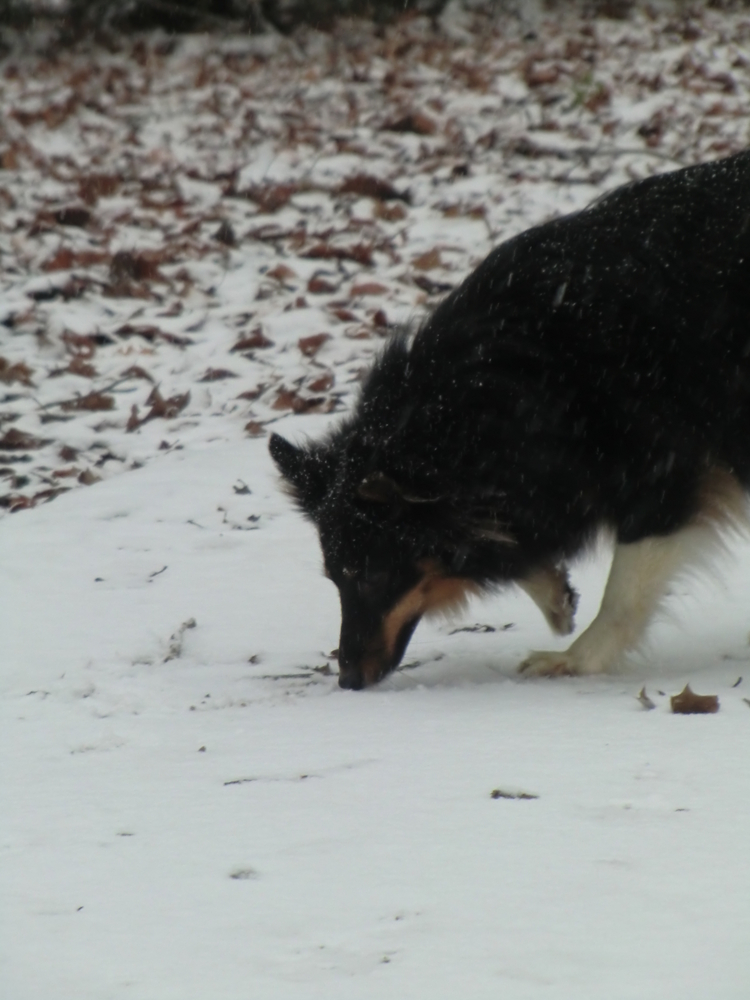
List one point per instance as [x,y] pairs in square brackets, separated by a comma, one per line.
[351,680]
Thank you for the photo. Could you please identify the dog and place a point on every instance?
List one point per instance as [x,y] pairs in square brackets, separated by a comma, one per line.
[592,373]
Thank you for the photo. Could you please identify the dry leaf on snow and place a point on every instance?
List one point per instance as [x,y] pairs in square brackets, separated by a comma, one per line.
[687,702]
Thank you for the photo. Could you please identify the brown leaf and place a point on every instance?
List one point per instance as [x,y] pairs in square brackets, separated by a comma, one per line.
[255,429]
[345,315]
[15,440]
[319,286]
[96,186]
[368,288]
[322,383]
[65,259]
[428,261]
[74,215]
[271,197]
[415,121]
[126,265]
[166,408]
[217,375]
[254,340]
[361,253]
[19,372]
[689,703]
[65,473]
[430,286]
[311,345]
[390,213]
[253,394]
[93,401]
[50,494]
[290,399]
[88,478]
[371,187]
[78,366]
[538,76]
[68,454]
[281,273]
[152,333]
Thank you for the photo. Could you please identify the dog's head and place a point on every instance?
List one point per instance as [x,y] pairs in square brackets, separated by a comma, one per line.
[393,556]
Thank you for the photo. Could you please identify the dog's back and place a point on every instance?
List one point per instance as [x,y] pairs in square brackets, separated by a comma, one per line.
[612,346]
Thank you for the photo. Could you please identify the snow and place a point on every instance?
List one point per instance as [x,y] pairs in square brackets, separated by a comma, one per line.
[192,828]
[197,811]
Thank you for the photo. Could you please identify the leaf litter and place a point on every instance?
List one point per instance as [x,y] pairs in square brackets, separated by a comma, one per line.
[391,179]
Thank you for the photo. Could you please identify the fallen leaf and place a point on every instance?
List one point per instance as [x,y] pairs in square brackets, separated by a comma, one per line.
[323,383]
[255,429]
[428,261]
[217,375]
[311,345]
[368,288]
[126,265]
[92,401]
[15,440]
[65,259]
[689,703]
[73,216]
[252,341]
[96,186]
[499,793]
[78,366]
[18,372]
[361,253]
[271,197]
[281,273]
[371,187]
[345,315]
[390,213]
[166,409]
[319,286]
[415,121]
[88,478]
[644,699]
[225,234]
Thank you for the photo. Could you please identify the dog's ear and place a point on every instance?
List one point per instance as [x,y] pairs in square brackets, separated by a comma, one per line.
[306,471]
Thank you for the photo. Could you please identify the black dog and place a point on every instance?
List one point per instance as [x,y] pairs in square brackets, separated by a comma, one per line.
[593,372]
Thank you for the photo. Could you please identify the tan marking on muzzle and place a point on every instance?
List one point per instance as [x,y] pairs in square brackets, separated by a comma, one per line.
[434,594]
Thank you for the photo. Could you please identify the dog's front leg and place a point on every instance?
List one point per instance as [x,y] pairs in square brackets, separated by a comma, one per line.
[637,582]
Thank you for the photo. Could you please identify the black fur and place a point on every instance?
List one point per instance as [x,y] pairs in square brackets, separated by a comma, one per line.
[587,374]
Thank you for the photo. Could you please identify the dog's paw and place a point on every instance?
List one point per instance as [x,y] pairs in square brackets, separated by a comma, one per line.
[560,664]
[562,611]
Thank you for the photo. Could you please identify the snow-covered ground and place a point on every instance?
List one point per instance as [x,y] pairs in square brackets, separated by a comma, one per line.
[191,808]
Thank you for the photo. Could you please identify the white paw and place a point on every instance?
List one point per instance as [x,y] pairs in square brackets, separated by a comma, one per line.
[562,664]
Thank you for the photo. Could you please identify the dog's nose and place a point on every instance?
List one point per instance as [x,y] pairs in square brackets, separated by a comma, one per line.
[350,679]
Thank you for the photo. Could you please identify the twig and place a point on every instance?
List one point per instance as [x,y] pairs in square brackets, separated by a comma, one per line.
[97,392]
